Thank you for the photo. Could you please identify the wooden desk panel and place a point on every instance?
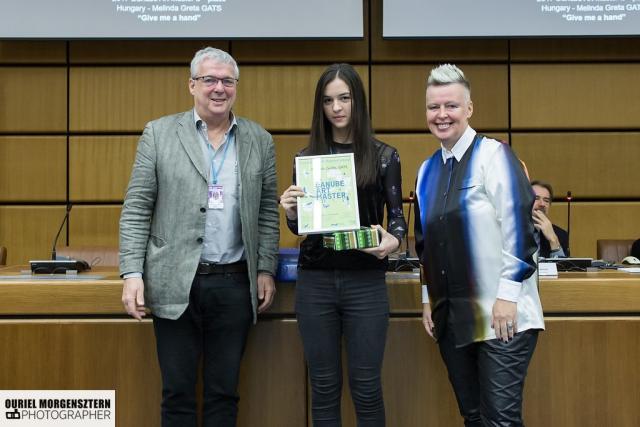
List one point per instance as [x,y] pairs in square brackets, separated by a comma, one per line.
[597,292]
[42,296]
[58,354]
[584,371]
[273,377]
[121,355]
[414,379]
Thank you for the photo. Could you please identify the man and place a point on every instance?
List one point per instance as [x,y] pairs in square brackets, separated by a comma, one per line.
[635,249]
[199,240]
[475,239]
[554,241]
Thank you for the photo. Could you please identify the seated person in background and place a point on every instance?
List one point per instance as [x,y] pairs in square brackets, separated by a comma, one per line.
[635,249]
[553,241]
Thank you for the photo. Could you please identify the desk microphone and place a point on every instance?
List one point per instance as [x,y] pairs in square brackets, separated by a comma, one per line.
[59,266]
[55,241]
[568,218]
[411,198]
[404,261]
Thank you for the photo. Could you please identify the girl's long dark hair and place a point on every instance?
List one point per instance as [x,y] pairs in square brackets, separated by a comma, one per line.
[360,125]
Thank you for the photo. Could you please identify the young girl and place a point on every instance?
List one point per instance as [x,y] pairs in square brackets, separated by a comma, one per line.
[344,292]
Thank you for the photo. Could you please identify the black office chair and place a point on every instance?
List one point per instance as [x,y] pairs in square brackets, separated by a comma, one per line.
[96,256]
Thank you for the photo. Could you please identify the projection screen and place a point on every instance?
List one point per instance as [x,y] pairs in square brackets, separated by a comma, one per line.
[510,18]
[228,19]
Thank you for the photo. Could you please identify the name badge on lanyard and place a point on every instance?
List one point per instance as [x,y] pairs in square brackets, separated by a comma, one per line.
[215,197]
[215,191]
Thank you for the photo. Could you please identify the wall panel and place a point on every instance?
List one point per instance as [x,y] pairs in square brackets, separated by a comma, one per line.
[280,98]
[414,149]
[124,99]
[596,164]
[570,96]
[98,225]
[138,51]
[100,166]
[33,168]
[299,51]
[94,225]
[32,52]
[576,49]
[398,98]
[591,221]
[286,148]
[33,99]
[28,231]
[287,238]
[439,51]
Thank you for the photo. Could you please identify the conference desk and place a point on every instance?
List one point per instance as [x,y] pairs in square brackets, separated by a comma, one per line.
[73,334]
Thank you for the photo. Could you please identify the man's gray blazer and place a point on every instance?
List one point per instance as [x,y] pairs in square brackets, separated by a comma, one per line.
[163,216]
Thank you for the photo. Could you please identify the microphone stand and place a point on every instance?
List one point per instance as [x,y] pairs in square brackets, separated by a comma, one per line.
[568,219]
[407,253]
[404,261]
[54,265]
[55,241]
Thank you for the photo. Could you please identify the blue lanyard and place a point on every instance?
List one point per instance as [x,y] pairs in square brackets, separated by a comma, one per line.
[214,172]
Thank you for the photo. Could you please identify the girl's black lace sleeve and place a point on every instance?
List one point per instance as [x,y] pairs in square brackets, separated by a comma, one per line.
[392,182]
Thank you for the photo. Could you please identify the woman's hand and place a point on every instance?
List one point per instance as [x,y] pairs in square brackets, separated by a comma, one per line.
[427,322]
[388,244]
[289,201]
[503,319]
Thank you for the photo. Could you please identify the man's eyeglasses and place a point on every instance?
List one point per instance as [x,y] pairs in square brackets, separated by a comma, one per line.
[213,81]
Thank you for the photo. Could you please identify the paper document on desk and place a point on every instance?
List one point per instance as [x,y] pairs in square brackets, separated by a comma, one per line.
[629,269]
[547,269]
